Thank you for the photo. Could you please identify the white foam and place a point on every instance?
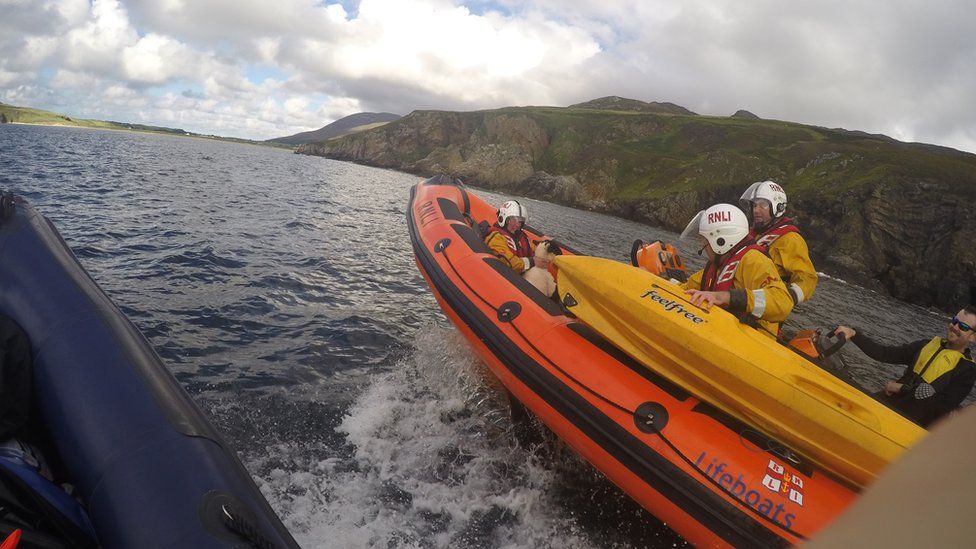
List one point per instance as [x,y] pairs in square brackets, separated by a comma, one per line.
[432,463]
[828,277]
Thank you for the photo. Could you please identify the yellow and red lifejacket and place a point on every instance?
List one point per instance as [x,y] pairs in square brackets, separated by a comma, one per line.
[518,243]
[714,280]
[777,229]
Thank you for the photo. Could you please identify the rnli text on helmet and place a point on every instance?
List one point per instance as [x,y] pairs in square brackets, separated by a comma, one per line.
[715,217]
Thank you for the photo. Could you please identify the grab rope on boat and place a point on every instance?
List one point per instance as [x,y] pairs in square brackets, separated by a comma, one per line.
[244,528]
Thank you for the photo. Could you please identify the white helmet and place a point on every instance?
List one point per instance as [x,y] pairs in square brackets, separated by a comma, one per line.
[767,190]
[723,225]
[511,209]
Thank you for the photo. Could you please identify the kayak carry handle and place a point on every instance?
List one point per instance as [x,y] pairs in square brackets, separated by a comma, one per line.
[838,394]
[634,248]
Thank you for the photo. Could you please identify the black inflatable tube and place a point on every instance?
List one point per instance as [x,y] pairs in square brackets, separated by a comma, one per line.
[146,462]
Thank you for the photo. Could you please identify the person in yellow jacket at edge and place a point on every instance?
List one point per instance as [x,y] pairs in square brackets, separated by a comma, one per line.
[738,276]
[780,238]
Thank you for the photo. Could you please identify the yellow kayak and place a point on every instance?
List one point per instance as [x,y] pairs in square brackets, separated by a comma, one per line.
[735,368]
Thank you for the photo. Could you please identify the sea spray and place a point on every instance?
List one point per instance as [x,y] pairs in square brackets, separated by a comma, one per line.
[429,460]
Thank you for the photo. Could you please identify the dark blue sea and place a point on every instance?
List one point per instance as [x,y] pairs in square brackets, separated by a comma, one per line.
[282,292]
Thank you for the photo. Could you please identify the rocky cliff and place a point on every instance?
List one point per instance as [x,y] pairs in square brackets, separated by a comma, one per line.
[892,215]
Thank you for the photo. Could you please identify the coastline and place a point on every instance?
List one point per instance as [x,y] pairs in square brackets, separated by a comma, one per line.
[155,132]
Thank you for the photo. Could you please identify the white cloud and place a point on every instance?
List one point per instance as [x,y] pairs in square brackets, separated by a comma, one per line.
[8,78]
[233,23]
[296,105]
[116,92]
[35,52]
[154,59]
[293,65]
[267,48]
[94,45]
[462,60]
[68,79]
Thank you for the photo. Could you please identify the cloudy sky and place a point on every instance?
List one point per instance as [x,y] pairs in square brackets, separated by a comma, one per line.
[267,68]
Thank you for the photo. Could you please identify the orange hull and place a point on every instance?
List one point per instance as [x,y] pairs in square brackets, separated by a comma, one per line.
[714,480]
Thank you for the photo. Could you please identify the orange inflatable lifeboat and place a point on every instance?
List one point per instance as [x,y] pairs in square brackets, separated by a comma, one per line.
[713,479]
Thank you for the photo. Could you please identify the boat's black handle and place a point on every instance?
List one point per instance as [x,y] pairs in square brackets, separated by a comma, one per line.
[841,340]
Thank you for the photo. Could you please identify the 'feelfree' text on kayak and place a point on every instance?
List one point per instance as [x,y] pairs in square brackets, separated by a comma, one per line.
[672,305]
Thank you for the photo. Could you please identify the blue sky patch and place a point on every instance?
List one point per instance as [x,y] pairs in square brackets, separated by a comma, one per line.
[260,73]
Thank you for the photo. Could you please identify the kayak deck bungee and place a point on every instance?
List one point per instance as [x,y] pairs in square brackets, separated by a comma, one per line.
[712,478]
[736,368]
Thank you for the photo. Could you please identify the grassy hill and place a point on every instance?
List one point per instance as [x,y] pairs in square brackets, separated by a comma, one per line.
[639,155]
[615,103]
[25,115]
[896,216]
[655,156]
[347,125]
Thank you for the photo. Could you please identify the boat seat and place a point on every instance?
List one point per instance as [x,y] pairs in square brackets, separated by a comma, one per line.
[482,228]
[472,239]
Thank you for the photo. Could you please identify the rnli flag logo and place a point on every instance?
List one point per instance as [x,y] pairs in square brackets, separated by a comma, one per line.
[728,273]
[779,480]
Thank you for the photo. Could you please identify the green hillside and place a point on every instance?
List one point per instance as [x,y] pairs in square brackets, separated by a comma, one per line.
[344,126]
[895,216]
[639,155]
[26,115]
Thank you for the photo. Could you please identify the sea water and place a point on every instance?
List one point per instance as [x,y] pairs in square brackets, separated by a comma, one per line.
[282,292]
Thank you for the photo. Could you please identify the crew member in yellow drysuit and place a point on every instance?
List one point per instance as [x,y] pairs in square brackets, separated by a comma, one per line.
[780,238]
[508,241]
[738,276]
